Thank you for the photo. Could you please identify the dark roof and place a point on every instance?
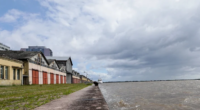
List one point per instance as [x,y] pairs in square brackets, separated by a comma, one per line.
[70,60]
[82,76]
[21,55]
[6,57]
[18,54]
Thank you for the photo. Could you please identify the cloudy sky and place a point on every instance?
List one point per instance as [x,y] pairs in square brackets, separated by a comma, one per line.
[116,40]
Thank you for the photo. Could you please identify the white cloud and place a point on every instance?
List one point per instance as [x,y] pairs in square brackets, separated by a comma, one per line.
[13,15]
[132,39]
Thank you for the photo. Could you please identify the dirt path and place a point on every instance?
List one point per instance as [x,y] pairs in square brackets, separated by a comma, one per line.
[89,98]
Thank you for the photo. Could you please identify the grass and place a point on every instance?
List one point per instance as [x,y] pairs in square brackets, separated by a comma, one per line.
[31,96]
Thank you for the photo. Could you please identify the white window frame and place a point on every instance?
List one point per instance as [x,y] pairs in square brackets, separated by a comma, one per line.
[6,76]
[1,72]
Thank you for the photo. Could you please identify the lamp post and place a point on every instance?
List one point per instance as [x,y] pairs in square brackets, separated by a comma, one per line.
[86,76]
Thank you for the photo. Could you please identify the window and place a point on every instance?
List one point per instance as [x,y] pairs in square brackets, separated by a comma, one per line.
[2,72]
[13,73]
[18,74]
[6,72]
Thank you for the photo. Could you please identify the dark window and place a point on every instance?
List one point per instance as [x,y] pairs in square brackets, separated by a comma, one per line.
[2,72]
[13,73]
[18,74]
[6,72]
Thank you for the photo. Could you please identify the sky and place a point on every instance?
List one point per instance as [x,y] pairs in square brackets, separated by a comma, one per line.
[116,40]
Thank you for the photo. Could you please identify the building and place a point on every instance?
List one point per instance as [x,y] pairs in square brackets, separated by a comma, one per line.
[37,69]
[4,47]
[90,81]
[11,71]
[83,79]
[75,77]
[67,63]
[53,64]
[43,49]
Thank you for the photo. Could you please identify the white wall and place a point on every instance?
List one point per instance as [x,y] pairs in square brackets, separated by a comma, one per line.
[41,69]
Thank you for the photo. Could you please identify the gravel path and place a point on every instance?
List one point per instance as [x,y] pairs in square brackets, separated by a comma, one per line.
[89,98]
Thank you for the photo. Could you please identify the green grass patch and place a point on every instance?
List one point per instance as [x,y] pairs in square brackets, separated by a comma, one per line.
[30,97]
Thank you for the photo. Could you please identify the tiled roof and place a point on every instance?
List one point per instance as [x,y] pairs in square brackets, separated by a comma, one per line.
[21,55]
[18,54]
[6,57]
[82,76]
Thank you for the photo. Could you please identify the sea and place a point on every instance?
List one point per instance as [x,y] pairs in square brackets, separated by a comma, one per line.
[153,95]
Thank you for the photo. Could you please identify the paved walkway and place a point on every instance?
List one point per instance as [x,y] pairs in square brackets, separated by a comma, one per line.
[89,98]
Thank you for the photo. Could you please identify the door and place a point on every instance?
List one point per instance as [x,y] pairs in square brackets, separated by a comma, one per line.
[52,78]
[25,80]
[45,79]
[61,79]
[57,79]
[35,77]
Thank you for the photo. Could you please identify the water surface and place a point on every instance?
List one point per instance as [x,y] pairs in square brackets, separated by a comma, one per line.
[160,95]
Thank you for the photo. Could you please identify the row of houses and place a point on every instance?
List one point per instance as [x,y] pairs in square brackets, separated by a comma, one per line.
[27,68]
[77,78]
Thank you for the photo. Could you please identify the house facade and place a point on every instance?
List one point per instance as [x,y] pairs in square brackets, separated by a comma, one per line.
[90,81]
[83,79]
[75,77]
[11,71]
[37,69]
[67,63]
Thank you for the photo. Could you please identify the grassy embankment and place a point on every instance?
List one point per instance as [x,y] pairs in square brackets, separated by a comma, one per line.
[32,96]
